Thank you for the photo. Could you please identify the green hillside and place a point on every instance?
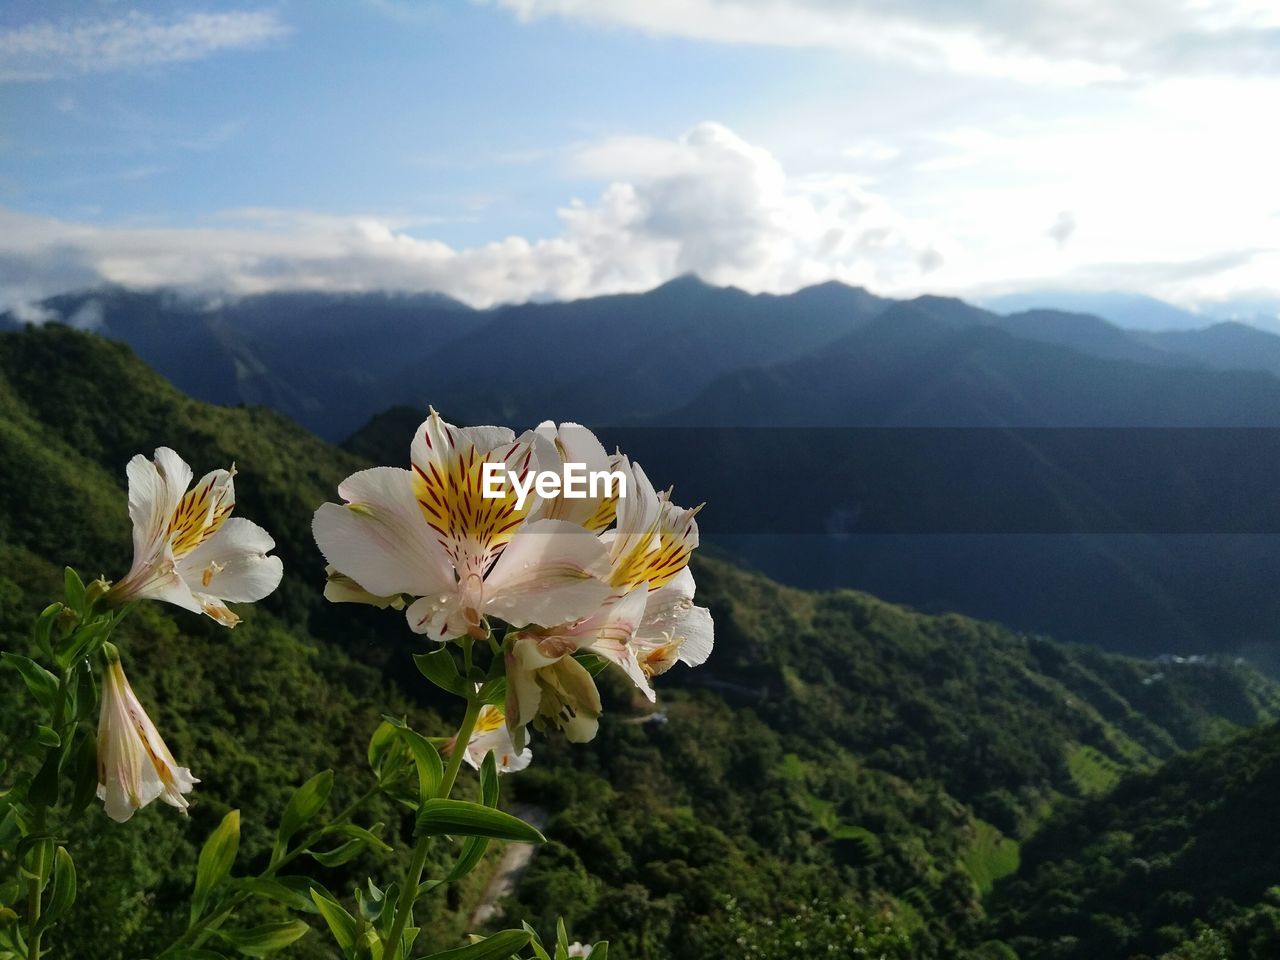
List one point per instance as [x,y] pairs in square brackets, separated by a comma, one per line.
[1180,860]
[843,771]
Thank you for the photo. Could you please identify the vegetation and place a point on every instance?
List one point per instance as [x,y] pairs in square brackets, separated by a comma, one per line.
[843,772]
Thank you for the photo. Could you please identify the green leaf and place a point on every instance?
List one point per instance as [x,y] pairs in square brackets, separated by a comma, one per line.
[343,853]
[372,903]
[462,818]
[498,947]
[600,951]
[47,736]
[474,847]
[535,942]
[427,760]
[369,836]
[303,805]
[43,630]
[86,692]
[441,669]
[44,786]
[64,889]
[85,777]
[73,586]
[562,940]
[216,858]
[42,684]
[489,780]
[341,924]
[293,892]
[267,938]
[386,749]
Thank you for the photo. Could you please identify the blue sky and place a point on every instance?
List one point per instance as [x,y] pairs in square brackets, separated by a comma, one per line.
[532,148]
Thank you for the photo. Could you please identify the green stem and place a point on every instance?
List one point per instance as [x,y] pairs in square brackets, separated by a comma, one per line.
[413,877]
[39,818]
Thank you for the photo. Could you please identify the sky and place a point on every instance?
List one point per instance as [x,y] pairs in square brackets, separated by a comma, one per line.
[506,150]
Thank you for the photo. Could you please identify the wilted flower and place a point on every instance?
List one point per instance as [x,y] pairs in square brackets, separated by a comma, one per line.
[134,765]
[490,735]
[430,533]
[187,548]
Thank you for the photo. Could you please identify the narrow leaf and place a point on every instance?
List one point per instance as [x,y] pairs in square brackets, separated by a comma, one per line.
[267,938]
[216,858]
[303,805]
[498,947]
[42,684]
[341,924]
[427,760]
[74,588]
[441,669]
[64,889]
[343,853]
[461,818]
[293,892]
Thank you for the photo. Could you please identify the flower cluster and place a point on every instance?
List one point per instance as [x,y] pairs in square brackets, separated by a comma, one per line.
[605,574]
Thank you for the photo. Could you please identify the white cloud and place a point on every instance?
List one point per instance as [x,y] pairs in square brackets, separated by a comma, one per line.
[708,202]
[48,49]
[1055,41]
[712,203]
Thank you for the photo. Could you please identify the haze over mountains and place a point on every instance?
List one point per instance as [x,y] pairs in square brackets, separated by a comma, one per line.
[1134,545]
[683,351]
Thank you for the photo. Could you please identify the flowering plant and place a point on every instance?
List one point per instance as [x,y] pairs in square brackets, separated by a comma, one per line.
[522,599]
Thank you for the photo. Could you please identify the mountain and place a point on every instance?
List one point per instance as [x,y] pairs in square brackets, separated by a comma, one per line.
[1223,346]
[1130,310]
[615,358]
[887,762]
[1174,863]
[326,360]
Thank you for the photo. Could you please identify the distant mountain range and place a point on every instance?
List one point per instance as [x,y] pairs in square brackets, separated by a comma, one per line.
[1058,536]
[683,351]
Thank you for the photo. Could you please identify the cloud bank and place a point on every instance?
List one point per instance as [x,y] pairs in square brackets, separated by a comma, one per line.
[707,202]
[1038,41]
[49,50]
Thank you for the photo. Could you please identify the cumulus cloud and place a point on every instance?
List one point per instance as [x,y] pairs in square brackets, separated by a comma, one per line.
[707,202]
[47,50]
[1055,41]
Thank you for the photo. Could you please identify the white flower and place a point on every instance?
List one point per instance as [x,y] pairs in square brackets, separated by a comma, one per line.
[187,549]
[490,735]
[134,765]
[579,950]
[429,533]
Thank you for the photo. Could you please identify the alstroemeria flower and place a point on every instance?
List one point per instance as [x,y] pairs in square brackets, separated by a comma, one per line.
[134,765]
[547,687]
[490,735]
[644,627]
[430,533]
[187,548]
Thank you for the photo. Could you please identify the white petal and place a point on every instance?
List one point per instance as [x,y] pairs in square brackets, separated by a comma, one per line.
[439,616]
[610,634]
[233,563]
[551,572]
[698,632]
[155,489]
[380,539]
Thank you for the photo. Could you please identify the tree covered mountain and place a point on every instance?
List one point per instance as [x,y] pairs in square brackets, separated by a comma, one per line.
[884,763]
[1177,863]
